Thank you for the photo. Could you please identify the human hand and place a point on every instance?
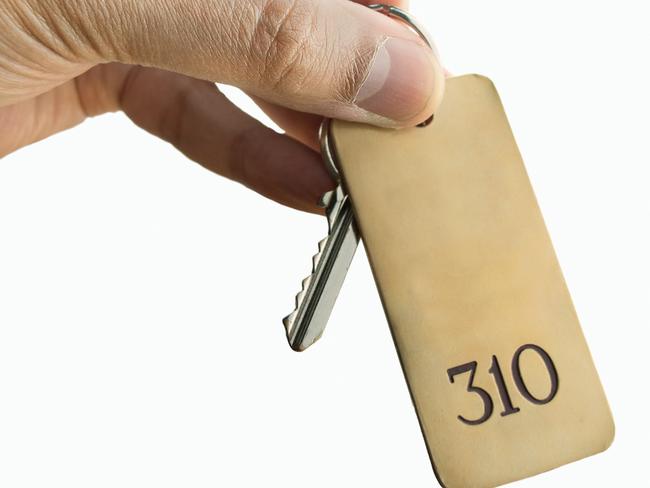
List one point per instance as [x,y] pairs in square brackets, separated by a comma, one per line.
[62,61]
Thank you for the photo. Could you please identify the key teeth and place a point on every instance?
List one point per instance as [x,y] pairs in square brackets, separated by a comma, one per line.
[316,257]
[321,245]
[315,260]
[306,282]
[288,321]
[332,201]
[300,297]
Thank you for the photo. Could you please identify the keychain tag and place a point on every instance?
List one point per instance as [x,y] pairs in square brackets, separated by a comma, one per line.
[498,368]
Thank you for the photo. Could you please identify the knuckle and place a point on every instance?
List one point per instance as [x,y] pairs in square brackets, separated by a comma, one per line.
[293,47]
[36,30]
[284,45]
[64,29]
[102,26]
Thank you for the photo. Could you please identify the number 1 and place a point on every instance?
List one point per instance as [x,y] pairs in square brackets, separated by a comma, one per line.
[495,370]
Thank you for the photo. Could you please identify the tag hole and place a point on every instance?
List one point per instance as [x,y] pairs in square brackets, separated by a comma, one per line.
[426,122]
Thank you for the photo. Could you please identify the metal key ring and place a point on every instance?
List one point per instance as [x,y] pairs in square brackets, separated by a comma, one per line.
[324,131]
[404,16]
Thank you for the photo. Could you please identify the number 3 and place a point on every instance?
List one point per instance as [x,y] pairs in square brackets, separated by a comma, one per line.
[488,406]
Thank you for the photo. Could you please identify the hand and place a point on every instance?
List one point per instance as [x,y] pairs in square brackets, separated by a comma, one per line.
[157,60]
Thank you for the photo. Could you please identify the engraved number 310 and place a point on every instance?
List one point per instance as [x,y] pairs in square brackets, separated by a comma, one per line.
[495,371]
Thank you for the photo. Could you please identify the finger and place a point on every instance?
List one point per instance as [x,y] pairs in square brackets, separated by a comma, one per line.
[301,126]
[189,113]
[201,122]
[331,57]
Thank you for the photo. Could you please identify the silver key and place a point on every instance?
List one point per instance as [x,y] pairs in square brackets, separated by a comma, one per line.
[315,301]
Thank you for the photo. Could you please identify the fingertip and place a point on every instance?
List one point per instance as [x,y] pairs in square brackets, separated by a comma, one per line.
[404,84]
[404,87]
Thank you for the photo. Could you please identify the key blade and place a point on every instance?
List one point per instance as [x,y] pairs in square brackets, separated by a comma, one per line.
[316,300]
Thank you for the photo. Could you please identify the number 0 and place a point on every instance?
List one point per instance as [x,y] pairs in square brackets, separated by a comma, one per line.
[519,381]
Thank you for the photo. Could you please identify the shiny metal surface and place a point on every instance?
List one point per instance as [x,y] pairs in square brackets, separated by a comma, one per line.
[314,303]
[326,149]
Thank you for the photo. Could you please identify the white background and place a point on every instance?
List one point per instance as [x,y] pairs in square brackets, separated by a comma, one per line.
[141,297]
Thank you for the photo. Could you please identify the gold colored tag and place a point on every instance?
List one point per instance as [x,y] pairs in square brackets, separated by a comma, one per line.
[498,368]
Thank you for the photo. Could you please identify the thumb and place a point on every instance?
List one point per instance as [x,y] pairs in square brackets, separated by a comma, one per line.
[331,57]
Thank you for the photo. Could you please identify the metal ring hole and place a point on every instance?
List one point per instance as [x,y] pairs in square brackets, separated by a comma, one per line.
[426,122]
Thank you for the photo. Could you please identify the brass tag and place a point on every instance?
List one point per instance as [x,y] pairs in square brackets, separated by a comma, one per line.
[499,371]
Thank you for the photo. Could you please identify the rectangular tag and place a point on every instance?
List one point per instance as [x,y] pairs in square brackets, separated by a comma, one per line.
[498,369]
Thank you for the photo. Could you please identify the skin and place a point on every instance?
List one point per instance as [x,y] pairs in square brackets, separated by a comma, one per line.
[62,61]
